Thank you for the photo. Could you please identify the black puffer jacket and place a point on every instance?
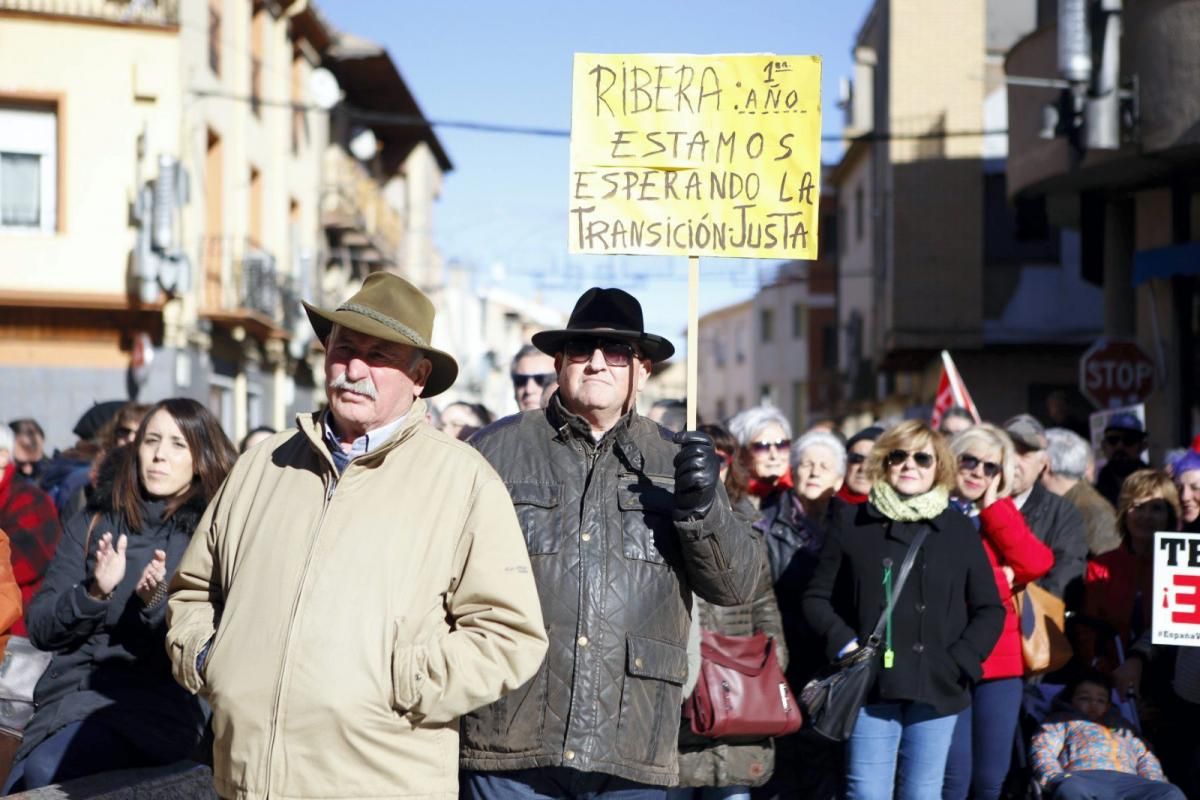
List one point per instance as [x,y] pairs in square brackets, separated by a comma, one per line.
[615,575]
[110,656]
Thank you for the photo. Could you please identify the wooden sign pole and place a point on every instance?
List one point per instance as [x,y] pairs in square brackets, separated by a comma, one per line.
[693,339]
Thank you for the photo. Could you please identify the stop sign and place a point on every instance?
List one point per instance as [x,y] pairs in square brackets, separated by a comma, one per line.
[1116,372]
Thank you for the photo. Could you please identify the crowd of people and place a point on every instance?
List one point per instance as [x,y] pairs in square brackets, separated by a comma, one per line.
[396,599]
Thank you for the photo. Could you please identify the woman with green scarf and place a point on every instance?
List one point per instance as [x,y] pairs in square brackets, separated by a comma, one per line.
[943,625]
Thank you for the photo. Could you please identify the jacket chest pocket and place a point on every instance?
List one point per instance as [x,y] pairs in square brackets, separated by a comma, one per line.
[537,507]
[647,525]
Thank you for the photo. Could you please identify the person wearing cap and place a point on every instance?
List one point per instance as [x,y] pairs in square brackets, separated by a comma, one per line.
[624,521]
[1067,457]
[1054,521]
[1185,471]
[1122,445]
[857,486]
[359,582]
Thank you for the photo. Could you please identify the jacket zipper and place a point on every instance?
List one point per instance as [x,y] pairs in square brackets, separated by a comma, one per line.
[287,641]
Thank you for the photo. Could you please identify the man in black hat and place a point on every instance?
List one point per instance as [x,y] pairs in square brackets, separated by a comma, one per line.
[624,521]
[1123,443]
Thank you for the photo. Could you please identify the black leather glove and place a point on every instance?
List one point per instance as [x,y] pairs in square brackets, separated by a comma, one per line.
[697,473]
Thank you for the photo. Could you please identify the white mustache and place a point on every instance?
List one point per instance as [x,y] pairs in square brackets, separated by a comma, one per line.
[365,387]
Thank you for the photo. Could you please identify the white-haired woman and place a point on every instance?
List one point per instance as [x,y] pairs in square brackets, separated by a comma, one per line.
[794,538]
[983,735]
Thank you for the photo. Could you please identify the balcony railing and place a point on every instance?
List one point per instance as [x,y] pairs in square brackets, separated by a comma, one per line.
[142,12]
[350,197]
[242,279]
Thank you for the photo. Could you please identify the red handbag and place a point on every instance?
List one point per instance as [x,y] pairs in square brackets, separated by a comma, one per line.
[741,692]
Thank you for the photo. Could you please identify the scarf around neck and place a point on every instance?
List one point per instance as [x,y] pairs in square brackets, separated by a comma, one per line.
[908,509]
[764,487]
[850,496]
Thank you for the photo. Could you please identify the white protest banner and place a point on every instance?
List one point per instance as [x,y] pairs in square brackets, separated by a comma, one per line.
[1176,589]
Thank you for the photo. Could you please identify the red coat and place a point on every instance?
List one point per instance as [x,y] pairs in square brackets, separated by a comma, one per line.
[1010,543]
[28,517]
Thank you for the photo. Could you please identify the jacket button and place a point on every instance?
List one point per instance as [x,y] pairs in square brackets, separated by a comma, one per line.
[587,537]
[637,662]
[569,755]
[918,648]
[920,608]
[582,641]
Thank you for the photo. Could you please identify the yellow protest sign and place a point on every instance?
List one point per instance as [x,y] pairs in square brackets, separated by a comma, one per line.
[695,155]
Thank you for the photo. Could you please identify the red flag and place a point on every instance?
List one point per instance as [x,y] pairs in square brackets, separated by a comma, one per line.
[951,391]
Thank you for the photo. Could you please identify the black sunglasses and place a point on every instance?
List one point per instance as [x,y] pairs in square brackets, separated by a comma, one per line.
[968,462]
[542,379]
[616,354]
[782,445]
[1129,439]
[855,458]
[922,460]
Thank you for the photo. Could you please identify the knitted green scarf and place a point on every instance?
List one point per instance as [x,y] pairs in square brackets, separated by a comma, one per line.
[910,509]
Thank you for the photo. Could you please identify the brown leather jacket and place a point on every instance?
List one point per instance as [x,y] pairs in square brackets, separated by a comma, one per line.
[615,574]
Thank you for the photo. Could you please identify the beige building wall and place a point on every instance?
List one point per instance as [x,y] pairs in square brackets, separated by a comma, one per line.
[935,80]
[117,83]
[726,362]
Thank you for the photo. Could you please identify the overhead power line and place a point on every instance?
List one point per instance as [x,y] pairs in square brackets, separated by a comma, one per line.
[416,121]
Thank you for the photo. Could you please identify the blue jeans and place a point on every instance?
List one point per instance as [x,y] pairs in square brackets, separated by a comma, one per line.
[912,734]
[76,751]
[710,793]
[1103,784]
[552,783]
[982,747]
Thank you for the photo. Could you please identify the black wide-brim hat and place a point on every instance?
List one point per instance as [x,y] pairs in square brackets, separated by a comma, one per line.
[390,308]
[607,314]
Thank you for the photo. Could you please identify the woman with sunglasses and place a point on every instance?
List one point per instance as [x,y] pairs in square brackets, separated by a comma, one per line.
[793,540]
[717,769]
[939,632]
[981,750]
[108,700]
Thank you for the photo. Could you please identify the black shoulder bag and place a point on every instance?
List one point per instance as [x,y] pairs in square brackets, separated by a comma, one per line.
[831,703]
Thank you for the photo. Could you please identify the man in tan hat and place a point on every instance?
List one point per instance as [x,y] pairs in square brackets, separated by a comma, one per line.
[624,521]
[358,584]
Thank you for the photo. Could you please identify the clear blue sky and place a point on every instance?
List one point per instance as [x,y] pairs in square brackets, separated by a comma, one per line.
[504,207]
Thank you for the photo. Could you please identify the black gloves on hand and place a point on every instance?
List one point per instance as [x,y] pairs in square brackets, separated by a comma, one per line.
[697,473]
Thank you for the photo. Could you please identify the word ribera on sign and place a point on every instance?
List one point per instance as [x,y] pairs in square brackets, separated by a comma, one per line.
[696,155]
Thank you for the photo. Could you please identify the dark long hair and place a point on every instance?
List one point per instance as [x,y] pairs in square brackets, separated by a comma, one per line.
[738,477]
[212,456]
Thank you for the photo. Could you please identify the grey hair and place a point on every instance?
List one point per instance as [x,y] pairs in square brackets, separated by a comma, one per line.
[821,439]
[1068,453]
[7,440]
[526,350]
[746,423]
[989,436]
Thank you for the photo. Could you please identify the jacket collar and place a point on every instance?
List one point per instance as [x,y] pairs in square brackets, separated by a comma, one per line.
[569,425]
[310,425]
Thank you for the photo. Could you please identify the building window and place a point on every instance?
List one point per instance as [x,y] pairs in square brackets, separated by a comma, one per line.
[258,35]
[766,325]
[829,347]
[721,410]
[766,395]
[858,214]
[299,122]
[797,321]
[214,36]
[28,169]
[799,403]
